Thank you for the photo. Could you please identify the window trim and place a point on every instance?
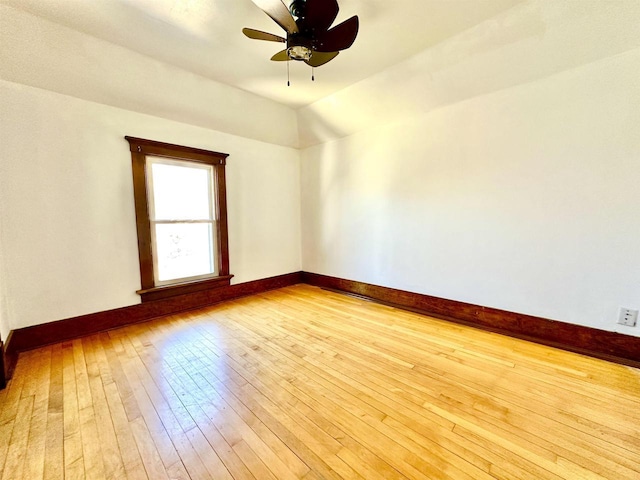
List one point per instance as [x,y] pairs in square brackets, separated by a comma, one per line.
[140,149]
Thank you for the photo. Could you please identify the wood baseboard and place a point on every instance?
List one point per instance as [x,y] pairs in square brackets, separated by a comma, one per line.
[611,346]
[36,336]
[614,347]
[3,375]
[9,358]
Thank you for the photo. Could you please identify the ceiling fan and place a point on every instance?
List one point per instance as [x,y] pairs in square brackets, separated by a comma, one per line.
[310,38]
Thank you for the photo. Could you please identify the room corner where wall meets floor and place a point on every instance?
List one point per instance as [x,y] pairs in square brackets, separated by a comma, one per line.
[302,383]
[610,346]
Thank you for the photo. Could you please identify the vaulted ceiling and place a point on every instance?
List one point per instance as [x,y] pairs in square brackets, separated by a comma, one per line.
[188,61]
[204,37]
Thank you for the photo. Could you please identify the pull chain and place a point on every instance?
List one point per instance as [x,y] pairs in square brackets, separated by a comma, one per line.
[288,82]
[313,77]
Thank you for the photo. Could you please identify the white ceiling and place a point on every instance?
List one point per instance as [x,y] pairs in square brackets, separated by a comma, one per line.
[204,37]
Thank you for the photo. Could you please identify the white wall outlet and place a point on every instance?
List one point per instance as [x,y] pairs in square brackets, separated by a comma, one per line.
[628,317]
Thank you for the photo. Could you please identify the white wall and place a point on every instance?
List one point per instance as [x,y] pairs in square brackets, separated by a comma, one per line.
[525,199]
[68,234]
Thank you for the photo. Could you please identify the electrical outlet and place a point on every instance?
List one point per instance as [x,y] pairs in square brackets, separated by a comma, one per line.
[628,317]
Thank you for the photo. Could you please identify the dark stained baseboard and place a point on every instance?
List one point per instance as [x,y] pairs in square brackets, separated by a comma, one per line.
[614,347]
[36,336]
[611,346]
[3,374]
[9,358]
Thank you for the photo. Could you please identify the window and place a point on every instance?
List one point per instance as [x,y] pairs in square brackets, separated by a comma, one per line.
[181,216]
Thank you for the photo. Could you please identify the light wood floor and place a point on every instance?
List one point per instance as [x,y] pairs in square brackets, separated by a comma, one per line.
[303,383]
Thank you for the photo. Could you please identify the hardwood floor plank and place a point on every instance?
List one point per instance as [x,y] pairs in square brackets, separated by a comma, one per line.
[17,450]
[91,445]
[54,444]
[154,428]
[110,369]
[11,402]
[74,466]
[149,454]
[300,383]
[129,452]
[35,459]
[108,441]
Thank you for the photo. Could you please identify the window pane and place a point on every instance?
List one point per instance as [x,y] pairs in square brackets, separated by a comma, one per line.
[184,250]
[181,192]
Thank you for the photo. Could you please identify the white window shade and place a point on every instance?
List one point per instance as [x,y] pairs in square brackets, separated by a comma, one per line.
[180,192]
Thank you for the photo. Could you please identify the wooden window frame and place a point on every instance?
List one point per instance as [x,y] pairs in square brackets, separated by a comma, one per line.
[140,149]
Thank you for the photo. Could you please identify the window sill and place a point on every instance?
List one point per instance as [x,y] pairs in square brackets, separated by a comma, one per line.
[165,291]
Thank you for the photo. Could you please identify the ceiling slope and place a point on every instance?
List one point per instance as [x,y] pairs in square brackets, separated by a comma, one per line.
[531,41]
[43,54]
[205,37]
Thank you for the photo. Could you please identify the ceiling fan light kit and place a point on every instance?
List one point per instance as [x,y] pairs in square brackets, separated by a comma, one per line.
[307,24]
[299,52]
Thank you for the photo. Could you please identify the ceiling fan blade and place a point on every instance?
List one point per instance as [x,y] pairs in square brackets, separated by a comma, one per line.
[279,12]
[320,58]
[320,14]
[258,35]
[281,56]
[339,37]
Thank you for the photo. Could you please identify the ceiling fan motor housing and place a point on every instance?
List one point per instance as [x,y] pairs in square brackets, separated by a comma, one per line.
[297,8]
